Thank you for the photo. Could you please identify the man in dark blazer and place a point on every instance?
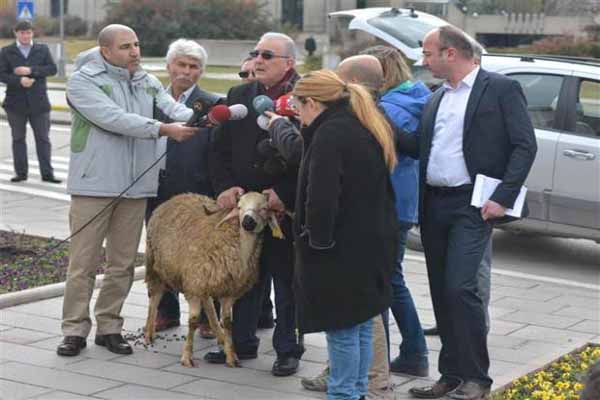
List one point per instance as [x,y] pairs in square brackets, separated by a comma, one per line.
[24,66]
[242,160]
[185,169]
[476,123]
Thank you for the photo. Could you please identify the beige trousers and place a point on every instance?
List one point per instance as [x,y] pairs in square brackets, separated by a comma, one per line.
[121,226]
[380,387]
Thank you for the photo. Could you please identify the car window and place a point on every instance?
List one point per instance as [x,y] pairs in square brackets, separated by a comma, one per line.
[587,108]
[542,92]
[406,29]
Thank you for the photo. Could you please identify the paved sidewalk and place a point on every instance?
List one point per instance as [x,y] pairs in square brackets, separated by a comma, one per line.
[532,323]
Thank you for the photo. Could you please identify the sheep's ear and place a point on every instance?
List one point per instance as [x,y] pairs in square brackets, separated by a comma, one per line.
[211,209]
[266,195]
[275,228]
[234,213]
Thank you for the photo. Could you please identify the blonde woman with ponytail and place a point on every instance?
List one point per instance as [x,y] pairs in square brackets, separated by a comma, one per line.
[345,225]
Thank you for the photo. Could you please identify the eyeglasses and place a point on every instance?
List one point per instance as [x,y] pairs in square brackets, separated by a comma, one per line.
[265,54]
[244,74]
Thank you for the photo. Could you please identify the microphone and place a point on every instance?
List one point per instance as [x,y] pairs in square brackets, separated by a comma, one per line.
[238,111]
[263,103]
[263,122]
[284,106]
[216,116]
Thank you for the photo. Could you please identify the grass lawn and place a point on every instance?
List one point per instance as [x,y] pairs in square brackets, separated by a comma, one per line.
[26,261]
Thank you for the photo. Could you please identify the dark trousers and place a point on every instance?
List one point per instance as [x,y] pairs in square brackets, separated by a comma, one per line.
[455,238]
[277,259]
[40,123]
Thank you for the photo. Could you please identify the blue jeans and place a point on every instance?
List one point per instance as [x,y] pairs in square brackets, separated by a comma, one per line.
[403,308]
[350,356]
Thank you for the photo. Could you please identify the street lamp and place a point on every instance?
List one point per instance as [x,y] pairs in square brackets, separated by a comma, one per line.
[61,47]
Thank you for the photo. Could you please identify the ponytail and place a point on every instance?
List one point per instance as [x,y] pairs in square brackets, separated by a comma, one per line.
[370,117]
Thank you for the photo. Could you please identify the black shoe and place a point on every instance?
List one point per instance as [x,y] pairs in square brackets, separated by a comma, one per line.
[71,346]
[285,366]
[433,331]
[50,178]
[114,343]
[266,321]
[18,178]
[218,357]
[419,366]
[470,390]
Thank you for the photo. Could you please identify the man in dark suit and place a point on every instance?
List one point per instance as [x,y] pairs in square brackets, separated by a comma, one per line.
[24,66]
[242,160]
[185,169]
[476,123]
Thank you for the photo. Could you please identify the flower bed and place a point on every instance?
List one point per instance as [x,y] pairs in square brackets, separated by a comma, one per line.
[562,379]
[26,261]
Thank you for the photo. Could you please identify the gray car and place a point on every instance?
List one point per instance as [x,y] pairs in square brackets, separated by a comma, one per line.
[563,96]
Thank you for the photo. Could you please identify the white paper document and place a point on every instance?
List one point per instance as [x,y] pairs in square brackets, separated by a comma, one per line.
[485,187]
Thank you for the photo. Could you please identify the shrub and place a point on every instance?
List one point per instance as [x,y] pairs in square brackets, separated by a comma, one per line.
[313,63]
[158,22]
[567,45]
[7,22]
[75,26]
[45,26]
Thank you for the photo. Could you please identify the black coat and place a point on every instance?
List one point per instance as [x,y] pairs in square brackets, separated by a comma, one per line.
[33,100]
[235,159]
[186,169]
[345,225]
[498,137]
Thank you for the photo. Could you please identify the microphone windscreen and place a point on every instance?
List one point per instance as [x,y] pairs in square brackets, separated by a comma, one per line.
[283,106]
[263,122]
[219,114]
[263,103]
[238,111]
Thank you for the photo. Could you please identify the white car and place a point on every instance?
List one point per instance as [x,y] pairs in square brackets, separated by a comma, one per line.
[563,96]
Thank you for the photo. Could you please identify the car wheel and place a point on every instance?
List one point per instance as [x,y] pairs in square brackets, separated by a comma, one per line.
[413,240]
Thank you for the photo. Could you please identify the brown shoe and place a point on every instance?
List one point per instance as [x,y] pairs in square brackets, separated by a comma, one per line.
[436,391]
[162,324]
[470,390]
[205,332]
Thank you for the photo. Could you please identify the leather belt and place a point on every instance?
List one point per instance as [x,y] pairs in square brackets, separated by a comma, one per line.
[449,190]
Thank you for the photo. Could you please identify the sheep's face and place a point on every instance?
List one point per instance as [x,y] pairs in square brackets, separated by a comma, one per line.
[253,212]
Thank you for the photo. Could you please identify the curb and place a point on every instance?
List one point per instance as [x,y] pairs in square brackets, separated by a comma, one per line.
[50,291]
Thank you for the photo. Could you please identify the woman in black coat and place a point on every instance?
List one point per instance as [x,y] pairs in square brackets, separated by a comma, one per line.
[345,225]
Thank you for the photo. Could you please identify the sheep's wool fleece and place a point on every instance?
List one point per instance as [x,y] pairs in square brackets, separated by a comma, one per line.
[190,254]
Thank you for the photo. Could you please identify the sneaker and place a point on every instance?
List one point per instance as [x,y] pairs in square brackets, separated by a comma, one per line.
[318,383]
[417,366]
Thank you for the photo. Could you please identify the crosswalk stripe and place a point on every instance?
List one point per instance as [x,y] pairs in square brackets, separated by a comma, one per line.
[61,159]
[9,168]
[35,192]
[56,165]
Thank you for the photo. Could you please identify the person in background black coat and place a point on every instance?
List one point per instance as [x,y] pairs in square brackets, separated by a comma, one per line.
[186,166]
[345,226]
[24,66]
[238,165]
[476,123]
